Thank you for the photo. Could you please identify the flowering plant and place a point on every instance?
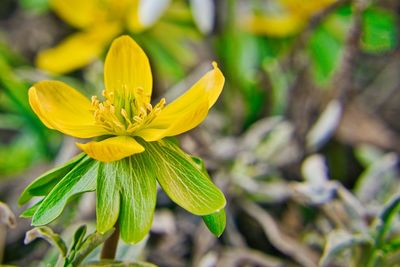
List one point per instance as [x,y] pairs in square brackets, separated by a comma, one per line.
[132,149]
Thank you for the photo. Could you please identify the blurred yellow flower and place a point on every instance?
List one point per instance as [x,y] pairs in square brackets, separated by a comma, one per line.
[99,21]
[292,18]
[125,113]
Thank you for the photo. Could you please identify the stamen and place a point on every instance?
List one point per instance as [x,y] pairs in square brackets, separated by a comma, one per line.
[136,114]
[125,115]
[137,119]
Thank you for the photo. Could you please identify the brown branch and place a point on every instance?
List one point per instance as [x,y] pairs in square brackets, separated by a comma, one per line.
[110,245]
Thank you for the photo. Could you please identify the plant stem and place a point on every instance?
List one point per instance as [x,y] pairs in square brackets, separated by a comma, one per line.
[110,245]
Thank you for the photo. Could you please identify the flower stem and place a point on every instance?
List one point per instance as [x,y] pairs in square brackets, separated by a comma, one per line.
[110,245]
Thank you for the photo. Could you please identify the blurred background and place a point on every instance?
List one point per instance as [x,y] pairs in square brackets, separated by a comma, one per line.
[304,140]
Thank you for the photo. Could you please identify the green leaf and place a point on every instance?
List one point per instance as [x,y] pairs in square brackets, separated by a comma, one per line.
[29,212]
[78,237]
[216,222]
[42,185]
[379,30]
[326,44]
[181,179]
[47,234]
[79,180]
[15,90]
[39,6]
[107,196]
[385,219]
[131,182]
[138,198]
[87,246]
[325,52]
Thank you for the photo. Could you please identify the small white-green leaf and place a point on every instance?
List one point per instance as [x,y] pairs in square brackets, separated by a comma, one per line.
[181,179]
[203,14]
[338,241]
[43,184]
[47,234]
[216,222]
[7,217]
[79,180]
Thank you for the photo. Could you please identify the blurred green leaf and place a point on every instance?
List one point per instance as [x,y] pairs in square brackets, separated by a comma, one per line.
[379,30]
[280,86]
[326,44]
[386,217]
[19,153]
[15,91]
[39,6]
[241,57]
[325,51]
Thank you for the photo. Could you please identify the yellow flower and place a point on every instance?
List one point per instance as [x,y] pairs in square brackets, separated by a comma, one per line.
[125,112]
[294,16]
[99,21]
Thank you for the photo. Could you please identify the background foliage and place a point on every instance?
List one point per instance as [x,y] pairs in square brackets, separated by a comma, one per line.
[304,141]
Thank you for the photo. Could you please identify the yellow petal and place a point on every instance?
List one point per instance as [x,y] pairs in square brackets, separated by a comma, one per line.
[212,82]
[117,8]
[126,70]
[62,108]
[78,13]
[170,125]
[112,149]
[77,50]
[306,8]
[132,19]
[275,26]
[189,110]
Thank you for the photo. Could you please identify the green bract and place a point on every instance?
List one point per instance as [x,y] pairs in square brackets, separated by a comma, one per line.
[126,189]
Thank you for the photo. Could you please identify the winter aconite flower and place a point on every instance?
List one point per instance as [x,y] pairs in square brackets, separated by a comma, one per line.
[98,22]
[131,151]
[289,18]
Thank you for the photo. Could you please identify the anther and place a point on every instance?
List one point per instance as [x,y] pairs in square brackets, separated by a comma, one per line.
[137,119]
[143,111]
[125,115]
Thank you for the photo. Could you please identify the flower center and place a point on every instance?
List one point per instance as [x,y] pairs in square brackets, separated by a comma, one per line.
[126,120]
